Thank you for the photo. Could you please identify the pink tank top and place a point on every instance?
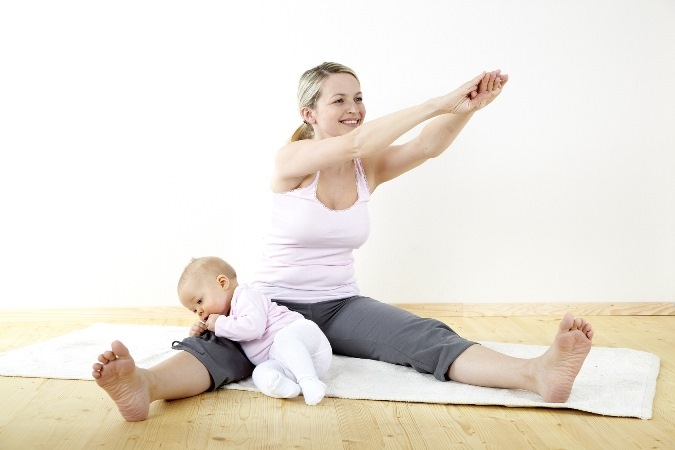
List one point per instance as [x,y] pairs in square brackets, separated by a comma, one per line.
[307,255]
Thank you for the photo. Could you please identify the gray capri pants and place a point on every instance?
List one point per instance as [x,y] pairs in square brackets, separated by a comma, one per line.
[365,328]
[223,358]
[356,326]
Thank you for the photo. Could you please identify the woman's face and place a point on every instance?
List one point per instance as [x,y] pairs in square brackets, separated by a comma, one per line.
[339,108]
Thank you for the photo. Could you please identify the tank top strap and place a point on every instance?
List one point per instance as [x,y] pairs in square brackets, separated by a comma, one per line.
[362,182]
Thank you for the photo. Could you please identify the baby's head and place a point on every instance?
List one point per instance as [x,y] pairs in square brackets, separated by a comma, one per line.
[206,286]
[205,265]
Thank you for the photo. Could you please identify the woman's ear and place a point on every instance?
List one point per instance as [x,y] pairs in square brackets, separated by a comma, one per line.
[223,281]
[307,115]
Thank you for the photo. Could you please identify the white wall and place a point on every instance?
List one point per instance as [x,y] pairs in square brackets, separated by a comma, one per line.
[135,135]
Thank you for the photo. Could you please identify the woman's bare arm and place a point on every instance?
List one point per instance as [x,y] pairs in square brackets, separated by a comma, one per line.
[297,160]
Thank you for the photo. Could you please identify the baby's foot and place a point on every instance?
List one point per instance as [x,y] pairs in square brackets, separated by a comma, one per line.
[561,363]
[279,386]
[268,377]
[313,390]
[125,383]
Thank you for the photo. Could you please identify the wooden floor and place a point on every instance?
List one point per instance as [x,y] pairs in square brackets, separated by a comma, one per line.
[63,414]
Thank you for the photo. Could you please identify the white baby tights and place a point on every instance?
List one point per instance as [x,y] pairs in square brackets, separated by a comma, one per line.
[299,356]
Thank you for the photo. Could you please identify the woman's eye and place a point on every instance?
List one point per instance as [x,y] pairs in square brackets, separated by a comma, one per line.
[358,99]
[339,100]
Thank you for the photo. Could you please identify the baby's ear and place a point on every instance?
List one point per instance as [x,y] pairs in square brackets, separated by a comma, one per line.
[223,281]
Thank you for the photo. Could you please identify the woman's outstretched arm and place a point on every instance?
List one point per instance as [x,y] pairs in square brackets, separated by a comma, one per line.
[299,159]
[435,137]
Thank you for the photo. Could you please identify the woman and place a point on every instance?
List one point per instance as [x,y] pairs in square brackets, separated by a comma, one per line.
[322,182]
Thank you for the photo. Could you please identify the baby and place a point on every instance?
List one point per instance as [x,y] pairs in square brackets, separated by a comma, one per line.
[290,352]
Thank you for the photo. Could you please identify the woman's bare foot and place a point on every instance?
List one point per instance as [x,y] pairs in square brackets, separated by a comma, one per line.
[126,384]
[561,363]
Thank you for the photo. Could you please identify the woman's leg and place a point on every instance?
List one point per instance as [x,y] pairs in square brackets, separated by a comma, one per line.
[133,388]
[550,375]
[206,363]
[365,328]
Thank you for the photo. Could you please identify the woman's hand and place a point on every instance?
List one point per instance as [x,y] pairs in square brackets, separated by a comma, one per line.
[475,94]
[197,329]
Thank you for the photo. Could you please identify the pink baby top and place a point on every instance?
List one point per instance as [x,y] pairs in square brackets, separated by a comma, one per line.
[307,255]
[253,321]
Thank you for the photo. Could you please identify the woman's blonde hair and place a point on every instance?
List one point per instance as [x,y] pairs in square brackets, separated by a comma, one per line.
[309,89]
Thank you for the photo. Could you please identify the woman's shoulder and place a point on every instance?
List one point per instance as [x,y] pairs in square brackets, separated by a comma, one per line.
[284,186]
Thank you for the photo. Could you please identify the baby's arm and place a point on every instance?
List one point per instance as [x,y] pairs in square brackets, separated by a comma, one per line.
[247,320]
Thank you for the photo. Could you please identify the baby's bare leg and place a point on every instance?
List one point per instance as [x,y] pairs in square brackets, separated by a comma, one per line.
[550,375]
[133,388]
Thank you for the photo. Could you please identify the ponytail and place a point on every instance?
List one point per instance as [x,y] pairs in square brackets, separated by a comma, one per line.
[304,131]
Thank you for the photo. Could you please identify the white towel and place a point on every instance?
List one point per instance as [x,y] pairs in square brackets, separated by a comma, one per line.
[613,381]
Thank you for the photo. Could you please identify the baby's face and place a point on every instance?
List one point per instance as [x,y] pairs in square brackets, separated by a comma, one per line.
[206,295]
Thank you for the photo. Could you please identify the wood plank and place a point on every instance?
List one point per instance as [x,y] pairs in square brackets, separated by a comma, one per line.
[176,315]
[540,309]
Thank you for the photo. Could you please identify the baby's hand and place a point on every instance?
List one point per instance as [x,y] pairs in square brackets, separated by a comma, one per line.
[197,329]
[211,322]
